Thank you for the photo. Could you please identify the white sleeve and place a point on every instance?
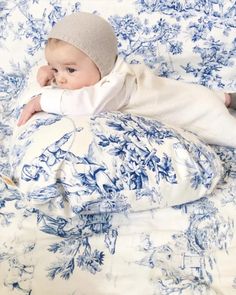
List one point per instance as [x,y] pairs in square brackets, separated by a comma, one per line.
[109,94]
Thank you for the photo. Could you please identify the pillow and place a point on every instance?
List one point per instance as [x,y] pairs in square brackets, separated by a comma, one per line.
[110,162]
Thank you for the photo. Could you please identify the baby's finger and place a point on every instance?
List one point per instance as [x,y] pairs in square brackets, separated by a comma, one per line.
[24,117]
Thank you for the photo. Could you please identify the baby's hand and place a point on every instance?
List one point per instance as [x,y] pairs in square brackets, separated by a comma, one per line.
[32,107]
[45,75]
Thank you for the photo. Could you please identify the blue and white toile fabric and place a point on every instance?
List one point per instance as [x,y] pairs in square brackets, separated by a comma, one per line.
[117,204]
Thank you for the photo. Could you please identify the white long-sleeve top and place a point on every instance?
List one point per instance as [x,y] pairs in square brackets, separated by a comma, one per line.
[135,89]
[110,94]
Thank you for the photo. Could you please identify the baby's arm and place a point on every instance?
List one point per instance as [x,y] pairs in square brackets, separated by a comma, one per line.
[109,94]
[32,107]
[45,75]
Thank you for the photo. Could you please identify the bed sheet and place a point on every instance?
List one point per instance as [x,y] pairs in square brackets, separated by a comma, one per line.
[185,248]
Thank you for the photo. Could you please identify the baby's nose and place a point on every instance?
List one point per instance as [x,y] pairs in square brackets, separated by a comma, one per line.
[61,79]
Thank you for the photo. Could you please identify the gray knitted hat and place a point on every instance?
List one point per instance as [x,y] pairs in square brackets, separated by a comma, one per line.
[92,35]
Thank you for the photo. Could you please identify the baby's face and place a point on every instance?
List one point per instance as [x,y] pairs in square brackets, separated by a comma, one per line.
[72,68]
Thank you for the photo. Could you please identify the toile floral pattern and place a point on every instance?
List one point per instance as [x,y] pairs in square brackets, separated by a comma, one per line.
[139,207]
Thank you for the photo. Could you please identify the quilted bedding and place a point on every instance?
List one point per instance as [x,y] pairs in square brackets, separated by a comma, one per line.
[116,203]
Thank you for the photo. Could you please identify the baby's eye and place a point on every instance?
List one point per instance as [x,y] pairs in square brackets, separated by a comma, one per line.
[54,70]
[71,70]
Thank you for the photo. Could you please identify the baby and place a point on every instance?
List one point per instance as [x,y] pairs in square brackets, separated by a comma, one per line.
[84,76]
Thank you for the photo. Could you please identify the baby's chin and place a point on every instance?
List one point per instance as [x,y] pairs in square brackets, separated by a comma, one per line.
[68,87]
[72,87]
